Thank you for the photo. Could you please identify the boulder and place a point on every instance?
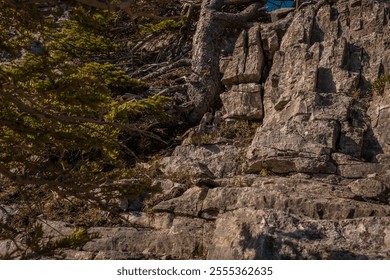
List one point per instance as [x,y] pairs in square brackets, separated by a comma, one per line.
[248,59]
[207,161]
[379,113]
[368,188]
[269,235]
[243,101]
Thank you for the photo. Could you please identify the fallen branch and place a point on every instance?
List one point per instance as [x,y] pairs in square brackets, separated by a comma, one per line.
[148,67]
[163,70]
[168,91]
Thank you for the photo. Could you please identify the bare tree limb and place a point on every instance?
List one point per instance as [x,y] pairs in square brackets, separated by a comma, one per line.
[169,90]
[147,68]
[240,19]
[162,70]
[125,6]
[239,2]
[106,5]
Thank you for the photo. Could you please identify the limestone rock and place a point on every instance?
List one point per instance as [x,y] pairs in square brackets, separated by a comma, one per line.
[280,13]
[236,66]
[250,217]
[255,61]
[79,255]
[202,161]
[258,234]
[368,188]
[379,113]
[169,190]
[310,110]
[310,198]
[243,101]
[272,34]
[181,239]
[181,206]
[248,59]
[224,63]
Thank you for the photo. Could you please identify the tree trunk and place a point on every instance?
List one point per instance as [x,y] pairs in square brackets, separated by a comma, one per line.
[205,85]
[205,81]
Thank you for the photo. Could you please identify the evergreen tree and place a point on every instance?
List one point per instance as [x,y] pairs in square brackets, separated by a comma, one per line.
[61,123]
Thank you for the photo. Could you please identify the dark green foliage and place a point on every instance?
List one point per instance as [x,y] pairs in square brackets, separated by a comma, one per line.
[74,241]
[61,121]
[77,40]
[165,26]
[379,84]
[58,108]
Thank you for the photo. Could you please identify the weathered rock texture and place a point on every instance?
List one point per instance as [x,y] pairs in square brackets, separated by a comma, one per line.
[327,60]
[243,101]
[317,174]
[210,161]
[248,59]
[242,77]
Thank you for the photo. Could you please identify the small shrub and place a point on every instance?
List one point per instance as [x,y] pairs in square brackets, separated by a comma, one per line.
[165,26]
[356,93]
[265,172]
[379,84]
[208,138]
[240,132]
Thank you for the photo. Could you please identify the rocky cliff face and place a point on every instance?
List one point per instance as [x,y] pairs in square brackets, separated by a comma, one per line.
[318,91]
[315,181]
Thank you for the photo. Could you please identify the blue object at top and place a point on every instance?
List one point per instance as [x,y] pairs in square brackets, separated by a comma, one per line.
[275,4]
